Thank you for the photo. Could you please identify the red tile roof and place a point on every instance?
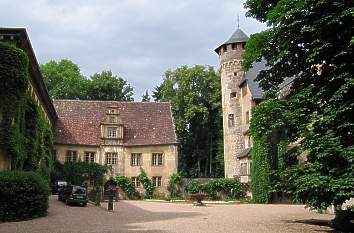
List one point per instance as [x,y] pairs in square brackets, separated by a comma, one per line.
[144,123]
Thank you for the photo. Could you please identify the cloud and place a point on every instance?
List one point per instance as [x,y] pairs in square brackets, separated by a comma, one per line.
[137,39]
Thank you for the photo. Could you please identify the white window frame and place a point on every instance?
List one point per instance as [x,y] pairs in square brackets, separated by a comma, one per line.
[112,132]
[71,156]
[157,181]
[135,159]
[135,181]
[89,157]
[111,158]
[157,159]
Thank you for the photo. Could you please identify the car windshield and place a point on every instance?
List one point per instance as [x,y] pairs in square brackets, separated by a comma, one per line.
[79,190]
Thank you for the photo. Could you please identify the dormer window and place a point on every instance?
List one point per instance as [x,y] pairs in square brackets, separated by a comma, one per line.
[112,132]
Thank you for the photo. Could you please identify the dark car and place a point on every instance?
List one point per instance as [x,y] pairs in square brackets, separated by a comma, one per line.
[72,194]
[57,185]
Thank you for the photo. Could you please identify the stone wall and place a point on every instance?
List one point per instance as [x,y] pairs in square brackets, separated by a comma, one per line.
[231,74]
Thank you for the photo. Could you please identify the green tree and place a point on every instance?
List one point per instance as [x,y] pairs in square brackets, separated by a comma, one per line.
[64,80]
[146,97]
[312,41]
[106,86]
[195,96]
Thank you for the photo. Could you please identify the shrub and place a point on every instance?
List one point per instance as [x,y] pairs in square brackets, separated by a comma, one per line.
[146,182]
[193,187]
[127,186]
[223,187]
[174,185]
[23,195]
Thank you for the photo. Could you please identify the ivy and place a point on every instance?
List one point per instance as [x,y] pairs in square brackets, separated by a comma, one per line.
[127,186]
[77,173]
[147,184]
[25,134]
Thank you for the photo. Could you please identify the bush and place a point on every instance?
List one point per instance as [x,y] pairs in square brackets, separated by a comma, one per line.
[174,185]
[193,187]
[128,188]
[23,195]
[228,188]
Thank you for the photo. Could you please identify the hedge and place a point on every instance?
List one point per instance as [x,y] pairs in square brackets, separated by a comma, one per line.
[23,195]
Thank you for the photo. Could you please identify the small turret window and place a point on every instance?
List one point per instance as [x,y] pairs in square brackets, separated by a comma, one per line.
[234,46]
[231,121]
[225,48]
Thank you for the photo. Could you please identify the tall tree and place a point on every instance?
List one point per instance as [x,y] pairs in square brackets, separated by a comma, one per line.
[312,41]
[64,80]
[106,86]
[146,97]
[195,96]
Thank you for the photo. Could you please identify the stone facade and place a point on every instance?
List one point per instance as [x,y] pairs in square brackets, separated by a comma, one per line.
[230,56]
[128,136]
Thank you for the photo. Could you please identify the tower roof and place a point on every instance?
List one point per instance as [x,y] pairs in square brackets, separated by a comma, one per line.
[237,36]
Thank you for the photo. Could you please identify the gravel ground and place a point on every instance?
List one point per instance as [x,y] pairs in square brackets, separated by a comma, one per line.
[140,216]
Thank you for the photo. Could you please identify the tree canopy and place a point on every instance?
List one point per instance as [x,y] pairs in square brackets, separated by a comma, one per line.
[195,96]
[106,86]
[65,81]
[312,42]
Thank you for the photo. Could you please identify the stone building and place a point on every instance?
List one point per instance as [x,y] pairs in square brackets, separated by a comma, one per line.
[240,92]
[125,135]
[36,88]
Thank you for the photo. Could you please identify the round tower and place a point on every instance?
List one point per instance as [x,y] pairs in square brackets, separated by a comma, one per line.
[230,56]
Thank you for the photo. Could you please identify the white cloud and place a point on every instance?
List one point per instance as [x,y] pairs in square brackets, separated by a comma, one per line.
[137,39]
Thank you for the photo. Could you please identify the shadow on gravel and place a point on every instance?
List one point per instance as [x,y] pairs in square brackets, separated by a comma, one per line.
[316,222]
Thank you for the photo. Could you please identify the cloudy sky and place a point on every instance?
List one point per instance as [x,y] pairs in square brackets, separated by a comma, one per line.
[137,39]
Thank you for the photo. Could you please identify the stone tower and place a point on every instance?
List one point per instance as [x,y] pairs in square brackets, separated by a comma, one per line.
[230,55]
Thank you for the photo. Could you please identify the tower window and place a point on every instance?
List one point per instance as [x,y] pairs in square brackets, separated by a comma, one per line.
[234,46]
[235,73]
[231,121]
[225,48]
[243,45]
[232,95]
[112,119]
[247,117]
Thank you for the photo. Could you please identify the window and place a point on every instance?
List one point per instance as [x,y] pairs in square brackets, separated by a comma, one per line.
[247,117]
[247,141]
[244,90]
[243,169]
[111,158]
[225,48]
[243,45]
[135,181]
[135,159]
[232,95]
[156,181]
[231,120]
[89,157]
[112,119]
[71,156]
[235,73]
[112,132]
[234,46]
[157,159]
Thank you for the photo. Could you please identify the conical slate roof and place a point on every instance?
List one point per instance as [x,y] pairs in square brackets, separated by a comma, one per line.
[237,36]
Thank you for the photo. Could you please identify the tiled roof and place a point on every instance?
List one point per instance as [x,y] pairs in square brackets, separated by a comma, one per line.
[236,37]
[250,77]
[144,123]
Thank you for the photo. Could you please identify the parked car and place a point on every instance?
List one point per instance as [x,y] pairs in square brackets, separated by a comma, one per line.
[57,185]
[72,194]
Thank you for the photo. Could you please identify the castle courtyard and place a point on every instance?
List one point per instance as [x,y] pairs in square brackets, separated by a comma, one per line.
[152,217]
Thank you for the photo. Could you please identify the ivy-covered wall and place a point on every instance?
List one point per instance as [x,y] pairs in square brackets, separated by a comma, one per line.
[25,134]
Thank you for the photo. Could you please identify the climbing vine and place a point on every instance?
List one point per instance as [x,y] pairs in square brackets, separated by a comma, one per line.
[25,134]
[147,184]
[175,185]
[269,118]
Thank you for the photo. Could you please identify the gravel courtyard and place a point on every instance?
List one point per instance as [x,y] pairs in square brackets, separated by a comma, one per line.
[139,216]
